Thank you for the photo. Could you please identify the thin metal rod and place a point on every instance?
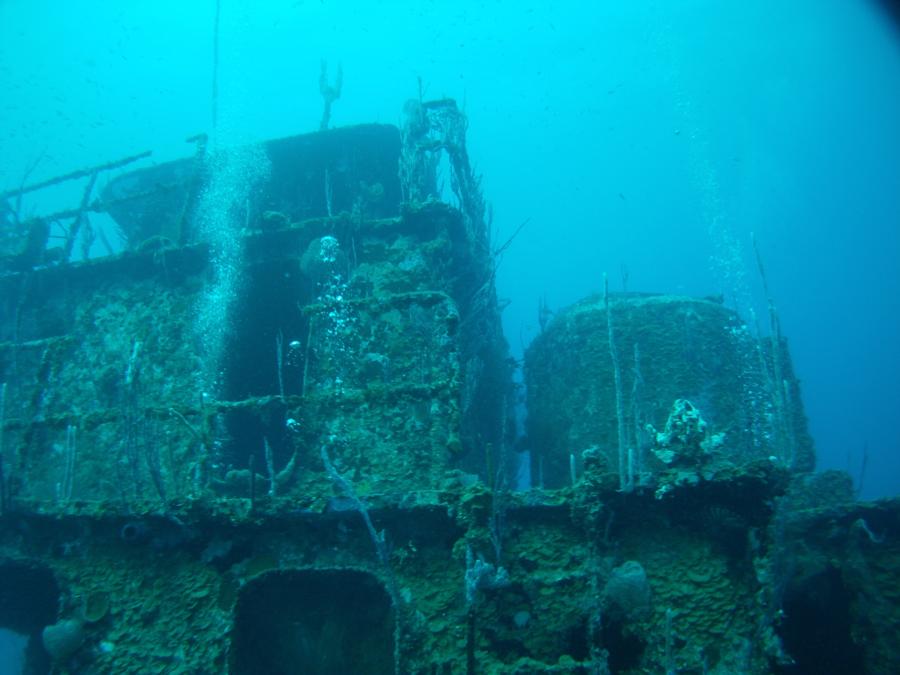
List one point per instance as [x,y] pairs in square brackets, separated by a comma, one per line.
[81,173]
[215,82]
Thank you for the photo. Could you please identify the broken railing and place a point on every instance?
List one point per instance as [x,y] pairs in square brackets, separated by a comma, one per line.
[25,241]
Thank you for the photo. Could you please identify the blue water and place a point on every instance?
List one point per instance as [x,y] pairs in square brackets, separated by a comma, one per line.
[12,652]
[641,139]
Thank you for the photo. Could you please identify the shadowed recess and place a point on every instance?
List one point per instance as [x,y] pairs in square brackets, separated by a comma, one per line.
[817,630]
[317,622]
[29,598]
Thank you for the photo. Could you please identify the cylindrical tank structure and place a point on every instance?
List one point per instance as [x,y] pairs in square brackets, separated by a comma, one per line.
[668,349]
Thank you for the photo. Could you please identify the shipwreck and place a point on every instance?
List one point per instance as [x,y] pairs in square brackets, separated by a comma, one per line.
[271,431]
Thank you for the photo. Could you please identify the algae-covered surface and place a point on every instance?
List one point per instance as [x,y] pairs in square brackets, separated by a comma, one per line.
[293,449]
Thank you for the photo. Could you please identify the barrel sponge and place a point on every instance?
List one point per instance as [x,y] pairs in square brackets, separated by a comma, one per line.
[63,638]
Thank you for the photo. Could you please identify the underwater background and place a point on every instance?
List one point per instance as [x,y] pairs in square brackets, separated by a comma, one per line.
[646,140]
[278,433]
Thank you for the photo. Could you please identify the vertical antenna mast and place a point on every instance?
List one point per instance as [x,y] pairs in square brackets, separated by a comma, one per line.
[215,82]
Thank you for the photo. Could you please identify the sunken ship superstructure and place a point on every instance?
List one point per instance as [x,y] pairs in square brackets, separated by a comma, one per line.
[275,433]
